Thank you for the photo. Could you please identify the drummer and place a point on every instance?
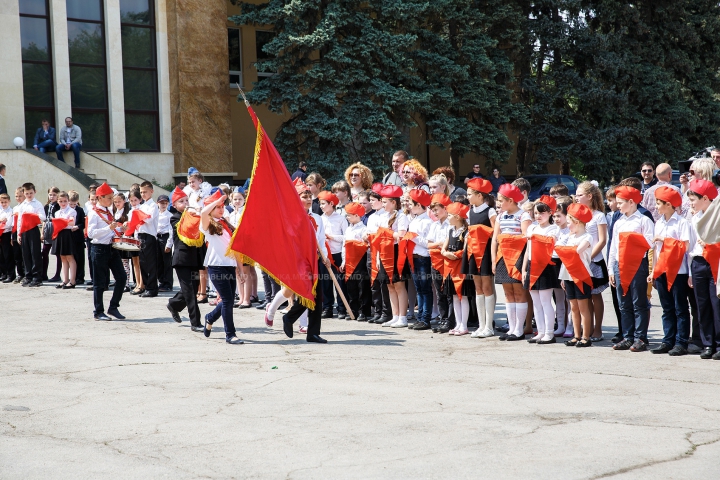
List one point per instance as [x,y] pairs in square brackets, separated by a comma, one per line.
[101,231]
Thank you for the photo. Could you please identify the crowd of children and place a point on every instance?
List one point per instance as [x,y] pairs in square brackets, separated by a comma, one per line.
[401,257]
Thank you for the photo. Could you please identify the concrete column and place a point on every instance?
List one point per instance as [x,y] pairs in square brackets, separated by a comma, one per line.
[12,105]
[116,95]
[61,61]
[163,74]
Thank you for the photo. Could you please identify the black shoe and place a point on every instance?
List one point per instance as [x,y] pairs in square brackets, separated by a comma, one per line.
[234,341]
[148,294]
[111,284]
[503,328]
[26,282]
[638,346]
[617,338]
[545,342]
[316,339]
[373,318]
[206,330]
[19,280]
[515,338]
[35,283]
[716,356]
[90,289]
[327,314]
[343,316]
[9,280]
[287,326]
[164,289]
[261,305]
[443,327]
[421,326]
[503,337]
[59,286]
[2,278]
[693,349]
[54,279]
[69,286]
[707,353]
[197,329]
[102,316]
[625,344]
[663,348]
[175,315]
[678,351]
[585,342]
[113,312]
[361,318]
[89,282]
[137,292]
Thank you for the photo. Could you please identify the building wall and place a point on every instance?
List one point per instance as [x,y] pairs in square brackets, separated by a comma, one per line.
[12,108]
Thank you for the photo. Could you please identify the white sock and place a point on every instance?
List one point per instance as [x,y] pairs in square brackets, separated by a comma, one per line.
[539,314]
[560,310]
[304,319]
[402,319]
[512,318]
[480,303]
[521,310]
[549,311]
[276,302]
[465,309]
[489,311]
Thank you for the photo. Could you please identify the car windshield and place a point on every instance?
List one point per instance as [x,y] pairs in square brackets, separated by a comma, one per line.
[536,182]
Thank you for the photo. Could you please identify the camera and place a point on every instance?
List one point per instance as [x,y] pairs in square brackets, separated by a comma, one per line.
[684,165]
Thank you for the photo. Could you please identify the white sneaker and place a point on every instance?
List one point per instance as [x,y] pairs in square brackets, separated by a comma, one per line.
[487,333]
[401,323]
[476,334]
[390,322]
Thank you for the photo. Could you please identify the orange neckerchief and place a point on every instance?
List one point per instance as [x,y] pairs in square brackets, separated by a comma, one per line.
[354,252]
[631,251]
[29,221]
[330,257]
[478,237]
[510,247]
[670,259]
[574,265]
[452,269]
[541,254]
[188,229]
[59,225]
[386,248]
[138,218]
[711,253]
[373,256]
[406,247]
[437,260]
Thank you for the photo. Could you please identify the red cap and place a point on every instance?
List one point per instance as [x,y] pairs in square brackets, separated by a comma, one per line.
[300,186]
[353,208]
[480,185]
[549,201]
[458,209]
[440,198]
[391,191]
[177,194]
[103,190]
[581,212]
[669,195]
[420,196]
[328,197]
[215,196]
[628,193]
[703,188]
[508,190]
[377,187]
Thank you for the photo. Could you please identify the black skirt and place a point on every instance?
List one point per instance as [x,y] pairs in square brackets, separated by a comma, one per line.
[501,273]
[547,280]
[398,275]
[605,279]
[467,289]
[469,265]
[63,243]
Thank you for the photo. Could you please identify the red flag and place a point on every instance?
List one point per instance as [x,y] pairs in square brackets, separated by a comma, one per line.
[188,229]
[670,259]
[29,221]
[574,265]
[58,225]
[632,249]
[478,237]
[541,254]
[273,210]
[138,217]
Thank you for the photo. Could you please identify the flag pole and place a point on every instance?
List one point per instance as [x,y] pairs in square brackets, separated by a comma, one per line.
[337,285]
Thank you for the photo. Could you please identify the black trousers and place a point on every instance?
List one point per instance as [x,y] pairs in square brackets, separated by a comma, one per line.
[149,261]
[7,260]
[18,256]
[164,268]
[105,259]
[444,301]
[694,323]
[79,254]
[32,254]
[189,279]
[314,316]
[708,303]
[272,287]
[89,259]
[358,290]
[616,307]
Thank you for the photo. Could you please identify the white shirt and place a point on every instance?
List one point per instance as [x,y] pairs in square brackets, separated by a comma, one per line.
[637,222]
[319,233]
[151,224]
[421,225]
[438,232]
[195,197]
[562,239]
[335,226]
[400,224]
[484,206]
[352,233]
[67,213]
[164,222]
[551,230]
[374,221]
[217,246]
[592,227]
[98,229]
[6,215]
[575,241]
[696,250]
[678,228]
[31,207]
[233,217]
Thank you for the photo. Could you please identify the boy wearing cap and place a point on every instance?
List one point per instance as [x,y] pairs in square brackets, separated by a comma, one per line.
[670,270]
[147,234]
[632,296]
[164,245]
[703,271]
[354,263]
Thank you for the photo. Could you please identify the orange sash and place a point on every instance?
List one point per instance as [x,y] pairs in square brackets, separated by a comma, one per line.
[15,222]
[188,229]
[478,237]
[329,255]
[510,247]
[437,260]
[354,252]
[406,247]
[138,218]
[711,253]
[373,257]
[631,251]
[386,248]
[574,265]
[59,225]
[453,270]
[29,221]
[670,259]
[541,255]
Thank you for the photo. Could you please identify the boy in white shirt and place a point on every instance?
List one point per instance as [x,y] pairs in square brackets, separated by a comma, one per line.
[7,263]
[17,249]
[358,279]
[147,234]
[29,236]
[164,244]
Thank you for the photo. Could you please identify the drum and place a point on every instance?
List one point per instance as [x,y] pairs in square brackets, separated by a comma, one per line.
[126,243]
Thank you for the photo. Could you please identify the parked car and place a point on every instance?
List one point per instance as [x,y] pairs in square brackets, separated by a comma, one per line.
[541,184]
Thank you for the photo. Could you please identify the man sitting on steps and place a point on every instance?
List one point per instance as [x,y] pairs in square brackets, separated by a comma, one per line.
[70,139]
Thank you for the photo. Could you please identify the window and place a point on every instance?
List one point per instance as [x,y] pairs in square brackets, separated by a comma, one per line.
[569,184]
[37,69]
[262,38]
[137,18]
[88,72]
[235,55]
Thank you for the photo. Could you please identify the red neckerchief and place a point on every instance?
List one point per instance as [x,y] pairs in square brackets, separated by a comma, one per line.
[312,220]
[105,215]
[226,226]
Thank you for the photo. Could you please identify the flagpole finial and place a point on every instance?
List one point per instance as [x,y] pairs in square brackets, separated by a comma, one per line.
[242,94]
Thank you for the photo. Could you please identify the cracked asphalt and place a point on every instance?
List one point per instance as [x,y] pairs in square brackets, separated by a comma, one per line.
[148,398]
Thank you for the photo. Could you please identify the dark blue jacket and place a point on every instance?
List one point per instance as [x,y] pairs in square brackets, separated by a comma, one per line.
[41,135]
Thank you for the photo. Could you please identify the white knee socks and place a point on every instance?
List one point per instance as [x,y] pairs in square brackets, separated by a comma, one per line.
[489,314]
[480,304]
[549,314]
[521,310]
[461,308]
[539,314]
[278,300]
[512,317]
